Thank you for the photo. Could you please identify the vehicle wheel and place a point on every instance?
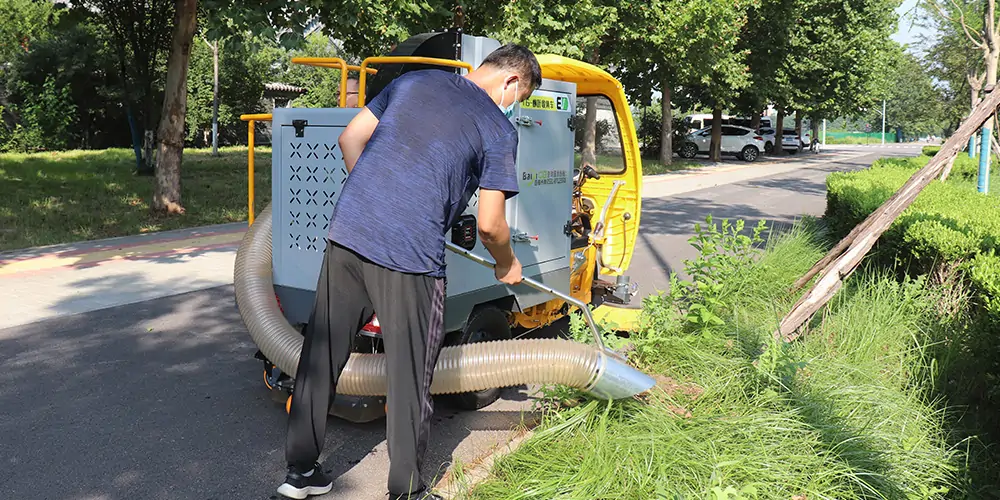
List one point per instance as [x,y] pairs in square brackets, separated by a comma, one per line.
[485,324]
[688,150]
[749,153]
[768,147]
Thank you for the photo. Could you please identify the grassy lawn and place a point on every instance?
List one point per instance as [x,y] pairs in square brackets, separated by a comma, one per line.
[851,411]
[69,196]
[650,166]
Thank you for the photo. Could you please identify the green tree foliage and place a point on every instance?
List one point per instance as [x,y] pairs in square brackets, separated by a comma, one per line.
[71,77]
[913,104]
[574,30]
[766,38]
[322,84]
[241,85]
[841,54]
[365,27]
[951,57]
[24,23]
[680,45]
[139,33]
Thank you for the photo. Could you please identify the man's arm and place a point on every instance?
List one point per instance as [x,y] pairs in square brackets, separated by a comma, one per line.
[354,138]
[499,182]
[495,235]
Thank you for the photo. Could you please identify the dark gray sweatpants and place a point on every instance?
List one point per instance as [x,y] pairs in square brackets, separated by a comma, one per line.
[411,313]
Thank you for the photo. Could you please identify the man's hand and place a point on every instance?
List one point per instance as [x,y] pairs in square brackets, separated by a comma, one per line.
[495,235]
[509,275]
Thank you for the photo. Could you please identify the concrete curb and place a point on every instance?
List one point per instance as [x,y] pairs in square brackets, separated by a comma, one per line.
[103,251]
[477,471]
[120,242]
[715,168]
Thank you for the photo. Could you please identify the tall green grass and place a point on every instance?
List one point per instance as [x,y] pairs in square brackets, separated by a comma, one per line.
[848,412]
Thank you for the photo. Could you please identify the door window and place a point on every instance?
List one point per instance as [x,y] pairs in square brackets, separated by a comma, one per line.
[598,140]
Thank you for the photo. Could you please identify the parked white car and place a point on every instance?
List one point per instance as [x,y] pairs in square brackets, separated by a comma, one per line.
[790,141]
[741,142]
[767,134]
[794,143]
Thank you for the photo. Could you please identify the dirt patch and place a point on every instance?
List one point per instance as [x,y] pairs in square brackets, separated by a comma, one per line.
[675,389]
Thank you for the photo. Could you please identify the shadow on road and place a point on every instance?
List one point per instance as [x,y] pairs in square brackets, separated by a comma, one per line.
[163,400]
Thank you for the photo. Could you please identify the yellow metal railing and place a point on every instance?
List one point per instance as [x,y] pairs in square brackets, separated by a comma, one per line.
[333,63]
[251,121]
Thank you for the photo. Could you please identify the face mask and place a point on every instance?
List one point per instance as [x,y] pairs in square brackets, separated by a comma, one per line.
[509,110]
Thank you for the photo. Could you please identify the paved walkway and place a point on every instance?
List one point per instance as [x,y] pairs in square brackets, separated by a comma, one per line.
[48,282]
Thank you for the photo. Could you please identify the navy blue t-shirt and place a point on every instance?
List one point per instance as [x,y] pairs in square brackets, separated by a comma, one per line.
[439,137]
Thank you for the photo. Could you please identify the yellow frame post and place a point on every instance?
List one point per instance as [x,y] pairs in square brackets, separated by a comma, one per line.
[329,62]
[250,146]
[251,121]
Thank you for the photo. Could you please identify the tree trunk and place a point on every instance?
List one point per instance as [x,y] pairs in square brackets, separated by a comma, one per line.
[779,127]
[589,151]
[215,99]
[167,190]
[755,121]
[148,143]
[798,125]
[666,127]
[715,151]
[845,256]
[148,134]
[815,130]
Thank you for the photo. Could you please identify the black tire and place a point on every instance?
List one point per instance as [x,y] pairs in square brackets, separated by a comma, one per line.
[688,150]
[749,153]
[485,324]
[768,147]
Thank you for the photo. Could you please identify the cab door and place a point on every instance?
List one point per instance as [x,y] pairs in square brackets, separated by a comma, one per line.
[617,195]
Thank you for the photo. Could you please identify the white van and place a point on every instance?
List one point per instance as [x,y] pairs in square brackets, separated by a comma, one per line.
[704,120]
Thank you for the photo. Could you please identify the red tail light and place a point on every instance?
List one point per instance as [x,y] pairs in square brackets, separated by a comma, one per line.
[372,327]
[758,138]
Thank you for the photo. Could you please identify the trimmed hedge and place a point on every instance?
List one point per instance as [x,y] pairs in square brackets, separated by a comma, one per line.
[948,222]
[930,150]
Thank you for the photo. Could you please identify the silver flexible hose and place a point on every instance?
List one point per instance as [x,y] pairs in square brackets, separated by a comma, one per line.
[463,368]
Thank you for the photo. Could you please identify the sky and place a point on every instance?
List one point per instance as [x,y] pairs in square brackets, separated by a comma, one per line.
[907,33]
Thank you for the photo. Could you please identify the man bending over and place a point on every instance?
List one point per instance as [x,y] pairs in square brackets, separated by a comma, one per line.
[415,155]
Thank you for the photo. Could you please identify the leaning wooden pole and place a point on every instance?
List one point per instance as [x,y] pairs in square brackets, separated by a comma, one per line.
[841,261]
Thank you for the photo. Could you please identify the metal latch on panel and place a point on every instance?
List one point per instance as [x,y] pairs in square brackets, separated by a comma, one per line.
[300,126]
[525,121]
[571,124]
[523,237]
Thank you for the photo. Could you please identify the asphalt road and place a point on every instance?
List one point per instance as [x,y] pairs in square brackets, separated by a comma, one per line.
[163,400]
[668,222]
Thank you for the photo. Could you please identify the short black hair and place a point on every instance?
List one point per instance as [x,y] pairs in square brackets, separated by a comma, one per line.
[519,59]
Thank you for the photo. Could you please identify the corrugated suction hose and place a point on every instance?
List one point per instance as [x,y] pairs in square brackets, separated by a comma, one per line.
[463,368]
